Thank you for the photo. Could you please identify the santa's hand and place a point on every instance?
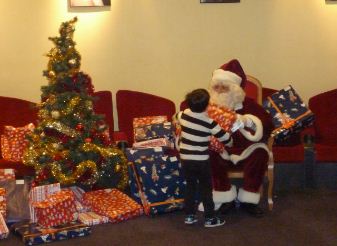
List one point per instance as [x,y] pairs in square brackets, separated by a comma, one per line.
[247,121]
[239,123]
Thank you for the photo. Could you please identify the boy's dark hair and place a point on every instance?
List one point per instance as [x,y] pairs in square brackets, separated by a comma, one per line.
[197,100]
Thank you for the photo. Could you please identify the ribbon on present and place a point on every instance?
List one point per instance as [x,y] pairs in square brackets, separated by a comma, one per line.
[287,122]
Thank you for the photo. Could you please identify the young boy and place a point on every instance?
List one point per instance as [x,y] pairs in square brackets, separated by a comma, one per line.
[196,131]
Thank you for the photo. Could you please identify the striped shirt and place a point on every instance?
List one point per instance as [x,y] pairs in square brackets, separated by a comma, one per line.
[196,132]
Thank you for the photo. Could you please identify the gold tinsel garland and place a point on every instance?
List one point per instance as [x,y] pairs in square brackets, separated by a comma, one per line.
[50,149]
[81,168]
[110,152]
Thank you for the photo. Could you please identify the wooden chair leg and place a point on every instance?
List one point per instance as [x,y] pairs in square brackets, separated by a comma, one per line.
[270,186]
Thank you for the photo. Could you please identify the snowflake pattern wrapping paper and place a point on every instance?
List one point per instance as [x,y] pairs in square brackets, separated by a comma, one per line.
[32,233]
[290,114]
[156,180]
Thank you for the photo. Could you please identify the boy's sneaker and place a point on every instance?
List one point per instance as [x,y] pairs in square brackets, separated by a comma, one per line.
[190,219]
[214,222]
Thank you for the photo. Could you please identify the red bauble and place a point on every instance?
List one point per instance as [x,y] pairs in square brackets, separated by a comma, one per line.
[57,157]
[88,140]
[79,127]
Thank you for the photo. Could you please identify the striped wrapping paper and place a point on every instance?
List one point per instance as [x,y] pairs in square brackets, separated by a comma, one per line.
[40,193]
[91,218]
[113,204]
[3,228]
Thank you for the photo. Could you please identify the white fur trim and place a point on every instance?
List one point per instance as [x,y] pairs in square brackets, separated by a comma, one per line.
[258,129]
[220,197]
[247,152]
[248,197]
[222,76]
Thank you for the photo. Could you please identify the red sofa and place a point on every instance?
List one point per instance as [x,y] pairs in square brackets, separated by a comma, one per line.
[323,106]
[17,112]
[132,104]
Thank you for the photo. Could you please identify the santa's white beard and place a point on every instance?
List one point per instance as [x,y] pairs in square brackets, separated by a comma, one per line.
[230,99]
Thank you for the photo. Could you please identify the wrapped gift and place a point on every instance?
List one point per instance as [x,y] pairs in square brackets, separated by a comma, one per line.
[3,228]
[223,116]
[156,181]
[3,206]
[78,195]
[113,204]
[216,145]
[153,131]
[32,233]
[136,156]
[7,174]
[57,209]
[91,218]
[40,193]
[290,114]
[14,142]
[148,120]
[159,142]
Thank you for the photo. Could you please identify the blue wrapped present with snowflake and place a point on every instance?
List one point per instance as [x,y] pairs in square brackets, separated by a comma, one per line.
[156,180]
[289,113]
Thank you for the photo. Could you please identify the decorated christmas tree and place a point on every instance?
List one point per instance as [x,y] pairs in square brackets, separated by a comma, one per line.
[71,143]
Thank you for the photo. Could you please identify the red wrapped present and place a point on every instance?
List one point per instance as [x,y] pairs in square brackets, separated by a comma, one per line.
[148,120]
[78,194]
[40,193]
[59,208]
[113,204]
[3,228]
[14,142]
[3,206]
[223,116]
[91,218]
[216,145]
[7,174]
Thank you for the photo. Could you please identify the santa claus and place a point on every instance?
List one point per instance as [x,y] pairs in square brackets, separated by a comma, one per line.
[249,150]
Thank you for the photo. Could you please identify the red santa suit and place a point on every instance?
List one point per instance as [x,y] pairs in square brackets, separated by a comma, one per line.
[249,151]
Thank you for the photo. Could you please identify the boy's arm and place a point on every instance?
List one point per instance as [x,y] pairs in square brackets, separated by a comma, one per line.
[221,135]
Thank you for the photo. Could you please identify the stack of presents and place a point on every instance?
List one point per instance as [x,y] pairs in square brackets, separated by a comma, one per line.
[51,212]
[155,179]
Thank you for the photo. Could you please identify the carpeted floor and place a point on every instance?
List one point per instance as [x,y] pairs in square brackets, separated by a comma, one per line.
[305,217]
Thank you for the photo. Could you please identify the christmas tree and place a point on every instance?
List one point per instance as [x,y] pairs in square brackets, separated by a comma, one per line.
[70,143]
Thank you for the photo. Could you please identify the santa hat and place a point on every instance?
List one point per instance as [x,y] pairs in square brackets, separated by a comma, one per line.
[230,72]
